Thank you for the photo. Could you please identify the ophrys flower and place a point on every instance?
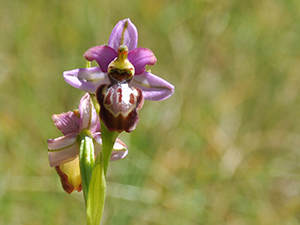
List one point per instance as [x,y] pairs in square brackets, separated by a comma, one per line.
[121,82]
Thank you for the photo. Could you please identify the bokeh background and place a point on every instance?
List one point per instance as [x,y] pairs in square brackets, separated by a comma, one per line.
[224,149]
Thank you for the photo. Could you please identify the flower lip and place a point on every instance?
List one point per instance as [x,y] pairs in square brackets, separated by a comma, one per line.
[70,176]
[119,105]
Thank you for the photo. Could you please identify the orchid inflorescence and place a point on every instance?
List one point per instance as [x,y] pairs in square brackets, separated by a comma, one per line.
[116,91]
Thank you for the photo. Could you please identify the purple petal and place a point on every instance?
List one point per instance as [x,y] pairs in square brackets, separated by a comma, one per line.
[102,54]
[87,79]
[140,57]
[119,150]
[154,88]
[62,149]
[89,118]
[130,38]
[66,122]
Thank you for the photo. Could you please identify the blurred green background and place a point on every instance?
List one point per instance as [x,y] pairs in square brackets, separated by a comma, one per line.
[224,149]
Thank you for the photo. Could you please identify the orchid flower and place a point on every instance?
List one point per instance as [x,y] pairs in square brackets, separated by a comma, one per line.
[121,83]
[63,151]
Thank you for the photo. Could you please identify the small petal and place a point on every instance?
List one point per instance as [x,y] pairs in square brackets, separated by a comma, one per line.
[153,87]
[119,150]
[66,122]
[89,118]
[130,38]
[102,54]
[87,79]
[62,149]
[140,57]
[70,176]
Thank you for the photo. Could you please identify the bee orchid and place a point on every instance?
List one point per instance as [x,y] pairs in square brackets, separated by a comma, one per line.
[121,83]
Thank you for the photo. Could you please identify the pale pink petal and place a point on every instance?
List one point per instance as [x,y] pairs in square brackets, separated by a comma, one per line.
[89,119]
[119,150]
[62,149]
[66,122]
[86,79]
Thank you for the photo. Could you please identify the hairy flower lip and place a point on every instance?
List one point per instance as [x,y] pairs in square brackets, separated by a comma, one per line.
[119,105]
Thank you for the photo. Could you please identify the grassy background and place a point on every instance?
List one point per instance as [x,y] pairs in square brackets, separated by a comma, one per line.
[224,149]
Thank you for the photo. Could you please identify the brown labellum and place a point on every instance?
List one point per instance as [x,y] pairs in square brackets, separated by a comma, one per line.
[119,106]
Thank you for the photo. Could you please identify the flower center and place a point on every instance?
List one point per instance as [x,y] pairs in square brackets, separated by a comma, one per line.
[120,70]
[84,133]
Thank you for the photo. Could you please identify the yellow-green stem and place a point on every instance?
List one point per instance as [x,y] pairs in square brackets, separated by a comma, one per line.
[108,141]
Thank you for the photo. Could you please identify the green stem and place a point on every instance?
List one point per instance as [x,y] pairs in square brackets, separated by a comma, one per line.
[108,141]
